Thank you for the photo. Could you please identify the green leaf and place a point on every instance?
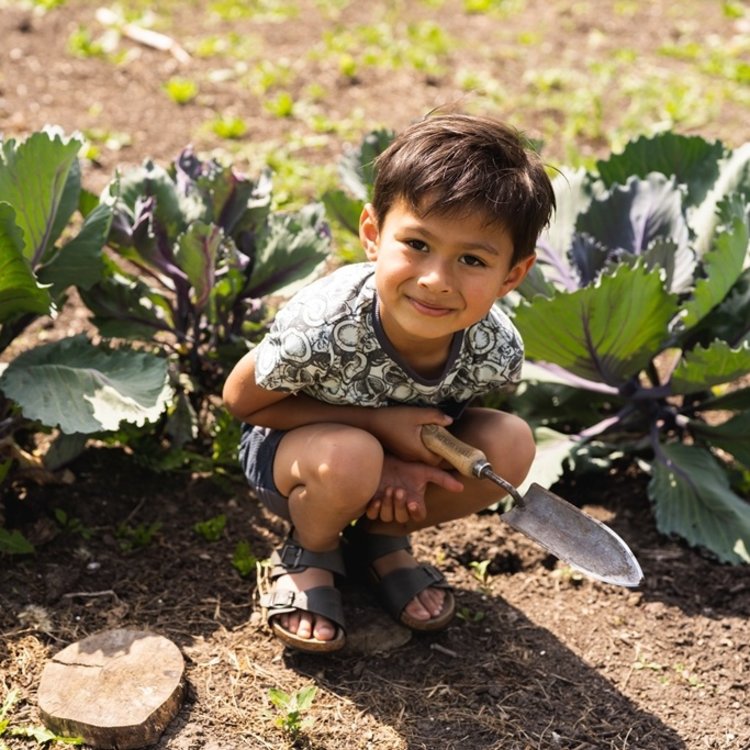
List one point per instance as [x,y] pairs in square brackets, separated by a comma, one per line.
[631,216]
[693,499]
[14,543]
[41,735]
[8,703]
[691,159]
[701,368]
[606,332]
[33,176]
[357,168]
[86,389]
[195,253]
[553,450]
[19,290]
[125,307]
[305,697]
[732,436]
[279,698]
[573,197]
[734,177]
[723,266]
[344,209]
[290,251]
[79,262]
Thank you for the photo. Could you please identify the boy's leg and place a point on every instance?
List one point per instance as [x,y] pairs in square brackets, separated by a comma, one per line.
[329,472]
[508,443]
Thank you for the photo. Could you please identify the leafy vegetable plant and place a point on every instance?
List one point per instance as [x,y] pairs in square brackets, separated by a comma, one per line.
[636,321]
[197,251]
[51,238]
[637,329]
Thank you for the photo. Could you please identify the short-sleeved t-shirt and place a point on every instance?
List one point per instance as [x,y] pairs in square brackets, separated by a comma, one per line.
[328,343]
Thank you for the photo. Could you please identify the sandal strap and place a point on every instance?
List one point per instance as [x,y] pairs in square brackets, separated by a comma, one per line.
[291,557]
[400,586]
[321,600]
[368,547]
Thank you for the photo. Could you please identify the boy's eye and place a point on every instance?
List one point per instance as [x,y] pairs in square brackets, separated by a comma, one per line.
[416,244]
[472,260]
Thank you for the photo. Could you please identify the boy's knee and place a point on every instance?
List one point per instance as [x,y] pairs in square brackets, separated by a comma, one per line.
[513,448]
[351,465]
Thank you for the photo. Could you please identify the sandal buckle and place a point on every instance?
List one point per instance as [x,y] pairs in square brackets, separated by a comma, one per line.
[291,554]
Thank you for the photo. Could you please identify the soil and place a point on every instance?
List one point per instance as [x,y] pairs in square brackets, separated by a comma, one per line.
[540,657]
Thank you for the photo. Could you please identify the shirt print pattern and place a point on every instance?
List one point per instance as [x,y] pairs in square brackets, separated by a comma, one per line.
[325,343]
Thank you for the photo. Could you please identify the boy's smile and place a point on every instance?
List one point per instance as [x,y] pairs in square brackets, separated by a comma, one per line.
[436,275]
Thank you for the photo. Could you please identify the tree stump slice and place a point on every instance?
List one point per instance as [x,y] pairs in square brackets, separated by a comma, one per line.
[116,689]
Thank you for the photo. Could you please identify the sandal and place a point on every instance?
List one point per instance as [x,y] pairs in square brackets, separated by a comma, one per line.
[321,600]
[396,589]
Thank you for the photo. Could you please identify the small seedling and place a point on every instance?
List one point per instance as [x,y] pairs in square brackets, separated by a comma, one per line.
[282,105]
[229,127]
[136,537]
[479,569]
[14,543]
[41,735]
[181,90]
[468,615]
[72,525]
[211,529]
[243,560]
[291,707]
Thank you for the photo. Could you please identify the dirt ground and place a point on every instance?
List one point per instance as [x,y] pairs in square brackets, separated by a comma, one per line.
[539,658]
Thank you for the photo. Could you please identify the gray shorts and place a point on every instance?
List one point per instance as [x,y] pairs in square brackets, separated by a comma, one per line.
[257,453]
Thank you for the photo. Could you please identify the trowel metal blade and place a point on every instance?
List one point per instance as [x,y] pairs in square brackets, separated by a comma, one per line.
[574,537]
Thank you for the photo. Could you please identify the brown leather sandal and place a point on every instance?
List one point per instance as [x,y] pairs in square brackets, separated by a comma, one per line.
[321,600]
[396,589]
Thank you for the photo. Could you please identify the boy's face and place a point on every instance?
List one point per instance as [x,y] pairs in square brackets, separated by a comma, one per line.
[437,275]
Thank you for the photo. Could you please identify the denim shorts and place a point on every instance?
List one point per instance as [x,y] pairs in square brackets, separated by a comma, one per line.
[257,453]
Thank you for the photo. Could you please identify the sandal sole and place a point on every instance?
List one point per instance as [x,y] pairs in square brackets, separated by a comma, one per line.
[309,645]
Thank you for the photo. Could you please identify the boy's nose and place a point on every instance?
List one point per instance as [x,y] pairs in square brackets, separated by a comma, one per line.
[436,277]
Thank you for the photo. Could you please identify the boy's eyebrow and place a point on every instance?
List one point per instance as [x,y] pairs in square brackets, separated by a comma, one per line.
[468,245]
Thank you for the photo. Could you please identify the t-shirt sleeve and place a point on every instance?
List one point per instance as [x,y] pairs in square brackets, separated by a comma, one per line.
[292,355]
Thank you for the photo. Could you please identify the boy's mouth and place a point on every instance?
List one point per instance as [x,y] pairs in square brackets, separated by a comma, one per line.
[428,308]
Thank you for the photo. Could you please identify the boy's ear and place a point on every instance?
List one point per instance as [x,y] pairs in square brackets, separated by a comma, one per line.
[369,232]
[517,274]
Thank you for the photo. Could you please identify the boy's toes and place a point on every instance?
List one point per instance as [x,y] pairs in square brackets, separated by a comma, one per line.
[427,604]
[433,600]
[324,629]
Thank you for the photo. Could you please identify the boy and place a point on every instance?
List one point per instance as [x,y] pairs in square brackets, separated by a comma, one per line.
[336,394]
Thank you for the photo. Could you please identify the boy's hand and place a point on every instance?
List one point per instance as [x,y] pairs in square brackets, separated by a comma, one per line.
[400,496]
[399,429]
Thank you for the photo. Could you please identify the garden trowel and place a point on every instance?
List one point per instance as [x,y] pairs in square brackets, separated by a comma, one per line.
[562,529]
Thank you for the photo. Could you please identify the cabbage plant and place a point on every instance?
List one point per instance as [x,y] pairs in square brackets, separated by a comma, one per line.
[637,329]
[51,238]
[198,252]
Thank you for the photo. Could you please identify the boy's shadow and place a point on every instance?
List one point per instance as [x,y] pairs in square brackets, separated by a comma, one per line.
[503,682]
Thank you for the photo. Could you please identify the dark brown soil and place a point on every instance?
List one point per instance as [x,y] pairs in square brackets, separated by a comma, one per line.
[540,658]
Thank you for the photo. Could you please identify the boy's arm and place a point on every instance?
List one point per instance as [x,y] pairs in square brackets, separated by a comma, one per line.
[398,427]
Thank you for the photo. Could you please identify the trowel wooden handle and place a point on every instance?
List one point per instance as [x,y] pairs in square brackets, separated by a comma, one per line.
[463,457]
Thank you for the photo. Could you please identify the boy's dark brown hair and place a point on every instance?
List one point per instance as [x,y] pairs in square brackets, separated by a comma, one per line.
[454,164]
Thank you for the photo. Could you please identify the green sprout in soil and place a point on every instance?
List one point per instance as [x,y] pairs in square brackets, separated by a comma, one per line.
[291,706]
[243,559]
[229,127]
[181,90]
[40,735]
[136,537]
[211,529]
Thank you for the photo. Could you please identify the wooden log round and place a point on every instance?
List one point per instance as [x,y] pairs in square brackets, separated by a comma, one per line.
[115,689]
